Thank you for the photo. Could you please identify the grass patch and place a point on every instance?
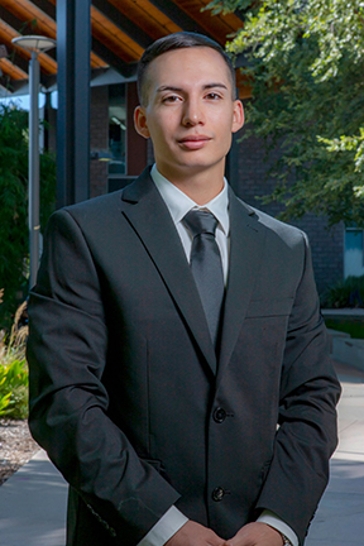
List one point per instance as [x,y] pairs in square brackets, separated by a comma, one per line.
[354,327]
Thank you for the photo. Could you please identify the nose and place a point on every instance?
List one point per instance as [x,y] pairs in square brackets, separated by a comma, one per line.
[193,113]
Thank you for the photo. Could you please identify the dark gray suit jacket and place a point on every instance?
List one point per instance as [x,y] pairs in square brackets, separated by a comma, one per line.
[122,394]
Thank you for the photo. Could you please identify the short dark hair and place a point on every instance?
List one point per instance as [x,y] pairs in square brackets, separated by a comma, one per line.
[177,40]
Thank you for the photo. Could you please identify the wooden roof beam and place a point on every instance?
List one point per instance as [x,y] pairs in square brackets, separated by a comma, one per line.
[49,7]
[11,70]
[178,16]
[16,59]
[22,26]
[30,15]
[113,38]
[217,26]
[145,15]
[123,23]
[7,33]
[126,69]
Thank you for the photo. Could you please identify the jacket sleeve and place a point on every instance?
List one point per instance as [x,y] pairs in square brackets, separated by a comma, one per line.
[67,352]
[307,429]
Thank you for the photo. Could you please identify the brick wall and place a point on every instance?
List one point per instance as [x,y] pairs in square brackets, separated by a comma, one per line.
[99,139]
[327,244]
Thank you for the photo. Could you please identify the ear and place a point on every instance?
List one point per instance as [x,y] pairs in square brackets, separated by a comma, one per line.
[238,116]
[140,122]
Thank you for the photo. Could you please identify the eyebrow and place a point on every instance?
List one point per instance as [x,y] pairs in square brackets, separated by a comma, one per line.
[213,85]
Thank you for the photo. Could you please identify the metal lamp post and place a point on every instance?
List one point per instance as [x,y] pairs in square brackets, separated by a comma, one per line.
[35,45]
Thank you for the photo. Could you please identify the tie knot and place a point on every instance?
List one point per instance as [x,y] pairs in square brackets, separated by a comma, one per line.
[200,221]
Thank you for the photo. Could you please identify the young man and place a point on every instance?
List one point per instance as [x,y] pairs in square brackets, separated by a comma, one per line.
[179,375]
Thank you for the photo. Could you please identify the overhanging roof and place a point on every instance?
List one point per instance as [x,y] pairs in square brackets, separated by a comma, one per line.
[121,30]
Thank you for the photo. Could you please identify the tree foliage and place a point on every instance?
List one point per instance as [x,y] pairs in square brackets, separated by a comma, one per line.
[14,254]
[306,64]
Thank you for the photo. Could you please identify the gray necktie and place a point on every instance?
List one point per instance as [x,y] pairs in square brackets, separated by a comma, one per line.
[206,265]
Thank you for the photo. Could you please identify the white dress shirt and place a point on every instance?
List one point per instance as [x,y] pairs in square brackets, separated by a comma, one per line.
[179,204]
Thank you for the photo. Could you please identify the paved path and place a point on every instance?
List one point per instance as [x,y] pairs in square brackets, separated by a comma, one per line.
[33,501]
[33,506]
[340,518]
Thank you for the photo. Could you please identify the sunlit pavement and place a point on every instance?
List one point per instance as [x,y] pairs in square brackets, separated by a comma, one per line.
[33,506]
[339,520]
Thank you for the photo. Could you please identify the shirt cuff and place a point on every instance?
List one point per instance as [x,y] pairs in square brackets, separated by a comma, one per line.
[272,520]
[165,528]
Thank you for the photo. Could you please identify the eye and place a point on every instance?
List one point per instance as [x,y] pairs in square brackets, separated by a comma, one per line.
[171,99]
[213,96]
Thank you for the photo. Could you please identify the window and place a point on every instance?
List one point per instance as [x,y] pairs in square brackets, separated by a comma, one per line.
[117,130]
[354,252]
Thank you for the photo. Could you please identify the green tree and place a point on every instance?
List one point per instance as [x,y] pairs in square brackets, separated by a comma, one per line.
[14,254]
[305,60]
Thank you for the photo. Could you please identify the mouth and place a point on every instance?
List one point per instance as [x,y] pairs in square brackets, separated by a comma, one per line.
[194,142]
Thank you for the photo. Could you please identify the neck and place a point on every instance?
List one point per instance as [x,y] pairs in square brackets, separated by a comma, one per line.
[200,187]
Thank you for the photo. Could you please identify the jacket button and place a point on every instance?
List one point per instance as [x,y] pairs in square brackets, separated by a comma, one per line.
[218,494]
[219,415]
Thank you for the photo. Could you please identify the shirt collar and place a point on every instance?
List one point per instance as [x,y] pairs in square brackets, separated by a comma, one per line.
[179,203]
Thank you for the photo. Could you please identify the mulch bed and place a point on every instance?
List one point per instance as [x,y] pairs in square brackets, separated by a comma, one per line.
[16,447]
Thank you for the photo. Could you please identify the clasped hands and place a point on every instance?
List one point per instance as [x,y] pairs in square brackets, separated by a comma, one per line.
[252,534]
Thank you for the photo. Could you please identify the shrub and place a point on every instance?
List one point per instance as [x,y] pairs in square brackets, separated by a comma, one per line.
[14,370]
[346,293]
[14,388]
[14,206]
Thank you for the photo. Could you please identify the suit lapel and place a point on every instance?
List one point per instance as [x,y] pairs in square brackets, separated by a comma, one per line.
[246,252]
[147,213]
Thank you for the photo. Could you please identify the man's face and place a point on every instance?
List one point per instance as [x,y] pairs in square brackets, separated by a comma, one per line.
[190,113]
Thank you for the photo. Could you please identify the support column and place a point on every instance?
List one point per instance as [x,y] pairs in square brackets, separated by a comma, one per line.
[33,192]
[73,120]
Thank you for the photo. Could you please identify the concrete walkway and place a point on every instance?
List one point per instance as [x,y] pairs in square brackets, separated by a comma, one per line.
[33,506]
[340,518]
[33,500]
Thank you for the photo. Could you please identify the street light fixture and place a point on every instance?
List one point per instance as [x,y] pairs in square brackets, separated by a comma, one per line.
[34,45]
